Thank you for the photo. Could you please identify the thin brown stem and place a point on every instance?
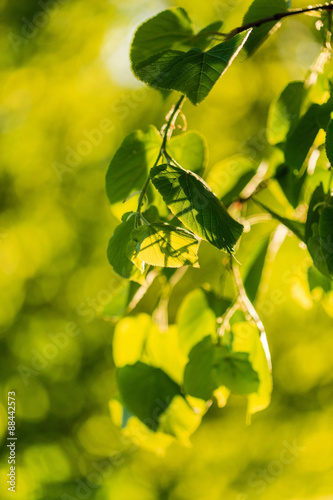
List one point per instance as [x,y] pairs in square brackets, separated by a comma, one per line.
[277,17]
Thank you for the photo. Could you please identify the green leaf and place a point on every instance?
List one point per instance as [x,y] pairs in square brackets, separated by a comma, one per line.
[291,183]
[329,142]
[146,391]
[190,151]
[284,112]
[194,73]
[170,29]
[129,339]
[324,113]
[163,245]
[319,231]
[298,228]
[317,280]
[116,251]
[228,177]
[260,9]
[246,338]
[204,38]
[192,201]
[301,138]
[211,366]
[195,320]
[128,169]
[255,271]
[121,299]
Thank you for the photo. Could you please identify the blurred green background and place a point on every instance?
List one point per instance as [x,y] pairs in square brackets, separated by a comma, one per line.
[67,100]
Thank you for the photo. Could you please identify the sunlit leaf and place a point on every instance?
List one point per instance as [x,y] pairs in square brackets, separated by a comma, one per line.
[229,177]
[120,300]
[129,339]
[163,245]
[284,112]
[246,338]
[179,420]
[129,167]
[170,29]
[260,9]
[195,320]
[190,151]
[194,73]
[146,391]
[192,201]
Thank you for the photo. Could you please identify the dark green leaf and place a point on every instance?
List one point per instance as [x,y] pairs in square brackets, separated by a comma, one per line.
[128,169]
[163,245]
[284,112]
[117,249]
[317,280]
[211,366]
[301,138]
[319,231]
[194,73]
[291,183]
[329,142]
[324,113]
[191,200]
[260,9]
[146,391]
[254,274]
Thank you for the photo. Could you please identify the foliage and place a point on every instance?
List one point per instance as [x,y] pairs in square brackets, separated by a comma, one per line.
[225,351]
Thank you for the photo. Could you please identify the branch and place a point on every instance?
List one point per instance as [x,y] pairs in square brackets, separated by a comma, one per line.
[276,17]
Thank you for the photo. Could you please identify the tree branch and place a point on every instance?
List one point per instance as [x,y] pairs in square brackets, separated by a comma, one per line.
[276,17]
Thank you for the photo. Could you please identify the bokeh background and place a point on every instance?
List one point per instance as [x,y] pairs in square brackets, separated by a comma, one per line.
[65,74]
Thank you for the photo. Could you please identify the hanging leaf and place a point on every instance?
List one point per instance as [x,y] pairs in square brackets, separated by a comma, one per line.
[255,271]
[194,73]
[211,366]
[190,151]
[329,142]
[171,28]
[163,245]
[260,9]
[317,280]
[117,249]
[228,177]
[146,391]
[291,183]
[301,138]
[195,320]
[128,169]
[319,231]
[298,228]
[285,111]
[192,201]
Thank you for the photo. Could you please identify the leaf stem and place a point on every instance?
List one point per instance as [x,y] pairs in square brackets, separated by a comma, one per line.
[276,17]
[167,132]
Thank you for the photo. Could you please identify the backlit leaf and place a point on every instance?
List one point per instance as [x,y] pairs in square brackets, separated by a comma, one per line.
[163,245]
[129,167]
[260,9]
[284,112]
[192,201]
[194,73]
[190,151]
[146,391]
